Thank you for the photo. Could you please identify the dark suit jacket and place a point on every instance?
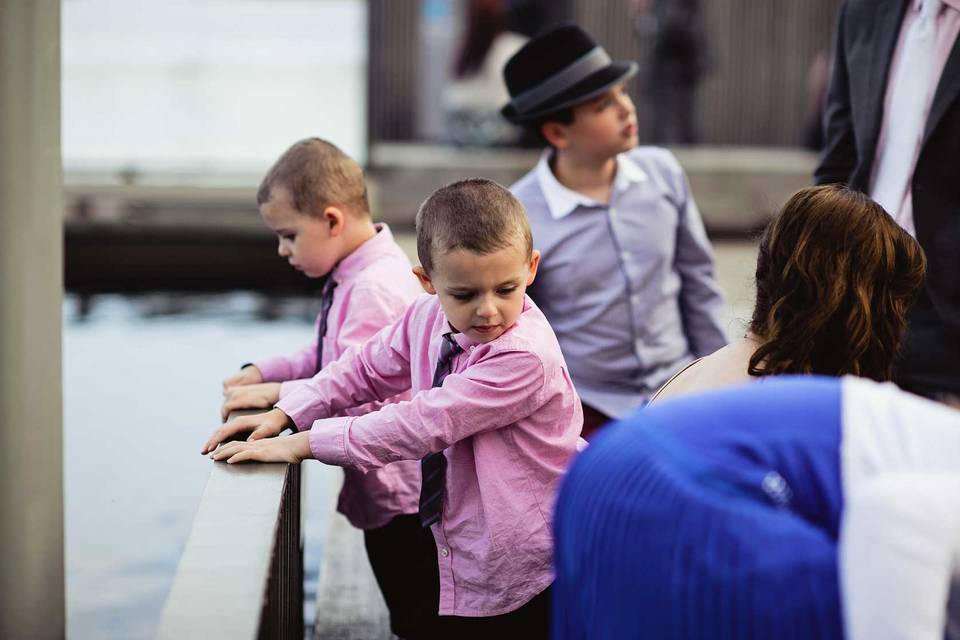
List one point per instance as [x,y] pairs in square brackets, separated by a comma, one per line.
[866,36]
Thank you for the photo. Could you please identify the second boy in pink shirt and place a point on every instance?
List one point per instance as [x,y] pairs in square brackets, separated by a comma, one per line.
[494,418]
[314,199]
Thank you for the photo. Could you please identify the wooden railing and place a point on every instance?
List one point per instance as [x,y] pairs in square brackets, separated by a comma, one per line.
[241,572]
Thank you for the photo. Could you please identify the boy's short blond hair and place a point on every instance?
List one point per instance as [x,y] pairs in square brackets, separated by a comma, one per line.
[478,215]
[317,174]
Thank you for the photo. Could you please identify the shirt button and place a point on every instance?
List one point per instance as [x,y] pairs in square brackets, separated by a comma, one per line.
[625,256]
[444,552]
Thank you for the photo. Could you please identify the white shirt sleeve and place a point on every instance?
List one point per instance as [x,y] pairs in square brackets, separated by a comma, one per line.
[899,553]
[886,430]
[900,533]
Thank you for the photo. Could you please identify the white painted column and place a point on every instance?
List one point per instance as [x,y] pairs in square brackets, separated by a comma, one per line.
[31,294]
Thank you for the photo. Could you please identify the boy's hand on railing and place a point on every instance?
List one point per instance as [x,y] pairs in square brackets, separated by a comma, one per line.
[262,425]
[292,449]
[251,396]
[248,375]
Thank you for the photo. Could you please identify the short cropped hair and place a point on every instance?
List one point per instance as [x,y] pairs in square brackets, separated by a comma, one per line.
[836,277]
[317,174]
[534,129]
[477,215]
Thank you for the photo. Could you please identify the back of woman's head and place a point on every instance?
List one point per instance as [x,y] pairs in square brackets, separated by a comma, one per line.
[835,279]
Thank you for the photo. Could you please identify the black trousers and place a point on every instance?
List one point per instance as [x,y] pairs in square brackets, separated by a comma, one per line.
[403,557]
[529,622]
[593,419]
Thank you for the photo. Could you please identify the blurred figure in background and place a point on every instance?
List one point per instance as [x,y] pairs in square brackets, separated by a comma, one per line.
[800,508]
[835,279]
[472,99]
[892,130]
[818,79]
[675,36]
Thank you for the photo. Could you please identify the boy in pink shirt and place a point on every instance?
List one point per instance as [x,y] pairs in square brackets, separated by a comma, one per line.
[314,198]
[494,418]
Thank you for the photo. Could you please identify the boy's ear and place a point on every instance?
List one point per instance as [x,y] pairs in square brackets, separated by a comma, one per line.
[534,263]
[555,133]
[335,217]
[424,279]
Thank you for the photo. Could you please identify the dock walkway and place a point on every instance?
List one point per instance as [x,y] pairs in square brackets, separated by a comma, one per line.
[349,604]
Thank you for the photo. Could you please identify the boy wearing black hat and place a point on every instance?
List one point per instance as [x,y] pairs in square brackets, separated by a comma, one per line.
[626,274]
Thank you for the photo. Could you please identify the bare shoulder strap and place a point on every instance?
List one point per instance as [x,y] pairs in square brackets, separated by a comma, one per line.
[672,378]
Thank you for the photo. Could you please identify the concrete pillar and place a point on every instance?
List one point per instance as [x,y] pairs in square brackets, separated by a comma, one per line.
[31,295]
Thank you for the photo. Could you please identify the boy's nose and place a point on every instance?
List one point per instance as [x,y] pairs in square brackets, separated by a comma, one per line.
[487,309]
[282,249]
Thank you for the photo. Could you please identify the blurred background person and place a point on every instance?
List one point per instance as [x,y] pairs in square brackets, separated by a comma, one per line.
[835,280]
[818,79]
[472,99]
[893,130]
[675,35]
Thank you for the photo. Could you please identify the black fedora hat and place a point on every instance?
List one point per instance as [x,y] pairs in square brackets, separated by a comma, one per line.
[558,69]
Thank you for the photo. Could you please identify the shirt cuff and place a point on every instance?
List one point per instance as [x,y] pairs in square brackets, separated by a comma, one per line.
[288,386]
[302,406]
[272,369]
[328,441]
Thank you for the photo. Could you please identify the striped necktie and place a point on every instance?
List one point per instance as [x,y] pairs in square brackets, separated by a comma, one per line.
[326,300]
[433,467]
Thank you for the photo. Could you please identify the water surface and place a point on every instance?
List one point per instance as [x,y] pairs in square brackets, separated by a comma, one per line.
[141,392]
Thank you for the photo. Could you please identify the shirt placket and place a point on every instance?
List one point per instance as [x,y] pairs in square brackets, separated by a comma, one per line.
[444,550]
[628,265]
[445,566]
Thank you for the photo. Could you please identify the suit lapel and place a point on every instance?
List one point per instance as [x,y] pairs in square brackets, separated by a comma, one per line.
[947,91]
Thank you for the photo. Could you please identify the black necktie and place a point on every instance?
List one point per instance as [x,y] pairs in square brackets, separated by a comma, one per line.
[433,467]
[326,299]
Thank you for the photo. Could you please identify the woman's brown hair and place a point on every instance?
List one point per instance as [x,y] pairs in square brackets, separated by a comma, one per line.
[835,278]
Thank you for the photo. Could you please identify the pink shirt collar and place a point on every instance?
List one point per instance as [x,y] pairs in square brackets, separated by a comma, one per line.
[466,343]
[374,248]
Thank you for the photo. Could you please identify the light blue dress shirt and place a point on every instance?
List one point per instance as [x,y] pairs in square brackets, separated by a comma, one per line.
[628,286]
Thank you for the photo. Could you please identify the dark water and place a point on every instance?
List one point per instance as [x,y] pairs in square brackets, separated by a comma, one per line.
[141,392]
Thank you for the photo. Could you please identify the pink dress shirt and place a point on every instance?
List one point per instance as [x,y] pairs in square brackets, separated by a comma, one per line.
[508,420]
[947,28]
[375,285]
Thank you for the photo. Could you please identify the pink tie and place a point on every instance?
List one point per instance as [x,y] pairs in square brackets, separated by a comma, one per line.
[907,115]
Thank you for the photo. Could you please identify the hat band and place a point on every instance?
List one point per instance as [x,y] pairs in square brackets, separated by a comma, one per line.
[588,63]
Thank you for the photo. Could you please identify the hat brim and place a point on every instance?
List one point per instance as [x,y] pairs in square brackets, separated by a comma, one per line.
[590,87]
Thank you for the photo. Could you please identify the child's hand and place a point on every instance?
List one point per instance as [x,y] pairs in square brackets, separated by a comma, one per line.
[251,396]
[263,425]
[248,375]
[290,449]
